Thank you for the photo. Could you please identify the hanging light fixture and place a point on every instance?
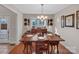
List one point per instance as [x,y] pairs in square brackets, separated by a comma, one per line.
[42,17]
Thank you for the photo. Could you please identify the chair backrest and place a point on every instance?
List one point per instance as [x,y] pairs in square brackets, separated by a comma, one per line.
[42,42]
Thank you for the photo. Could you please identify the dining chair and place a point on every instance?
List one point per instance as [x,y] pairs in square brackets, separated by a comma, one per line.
[42,47]
[54,46]
[27,47]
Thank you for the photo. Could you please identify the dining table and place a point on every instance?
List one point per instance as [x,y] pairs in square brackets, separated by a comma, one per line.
[28,39]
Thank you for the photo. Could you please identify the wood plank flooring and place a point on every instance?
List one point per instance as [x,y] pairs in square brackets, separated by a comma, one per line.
[18,49]
[5,48]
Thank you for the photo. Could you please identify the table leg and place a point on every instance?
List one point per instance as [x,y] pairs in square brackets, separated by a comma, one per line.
[30,47]
[57,48]
[25,48]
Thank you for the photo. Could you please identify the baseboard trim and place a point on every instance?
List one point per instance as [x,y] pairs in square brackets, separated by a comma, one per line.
[68,48]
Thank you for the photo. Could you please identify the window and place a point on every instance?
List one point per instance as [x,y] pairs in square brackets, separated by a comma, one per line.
[38,23]
[3,24]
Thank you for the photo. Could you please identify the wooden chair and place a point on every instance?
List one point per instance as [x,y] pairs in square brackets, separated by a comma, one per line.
[27,46]
[54,45]
[42,46]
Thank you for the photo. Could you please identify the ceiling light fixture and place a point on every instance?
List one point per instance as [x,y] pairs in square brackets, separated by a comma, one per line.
[42,17]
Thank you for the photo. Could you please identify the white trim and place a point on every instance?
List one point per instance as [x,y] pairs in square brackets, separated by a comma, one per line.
[71,49]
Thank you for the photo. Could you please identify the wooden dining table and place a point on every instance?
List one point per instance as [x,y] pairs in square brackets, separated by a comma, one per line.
[53,40]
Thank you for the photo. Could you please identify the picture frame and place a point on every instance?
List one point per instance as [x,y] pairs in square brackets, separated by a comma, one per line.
[69,20]
[50,22]
[62,21]
[25,24]
[77,19]
[25,19]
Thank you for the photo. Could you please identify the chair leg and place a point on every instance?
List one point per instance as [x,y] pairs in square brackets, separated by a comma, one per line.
[31,49]
[51,49]
[25,50]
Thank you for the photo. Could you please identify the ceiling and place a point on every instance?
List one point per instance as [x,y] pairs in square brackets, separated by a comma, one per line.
[36,8]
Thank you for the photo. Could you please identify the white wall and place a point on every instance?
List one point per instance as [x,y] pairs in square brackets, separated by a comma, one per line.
[34,16]
[13,29]
[11,16]
[19,27]
[69,34]
[19,21]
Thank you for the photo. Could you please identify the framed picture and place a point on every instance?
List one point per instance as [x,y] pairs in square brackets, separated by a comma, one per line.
[25,24]
[25,19]
[77,19]
[62,21]
[50,22]
[69,20]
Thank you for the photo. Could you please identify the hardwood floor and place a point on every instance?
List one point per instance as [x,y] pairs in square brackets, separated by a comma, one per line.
[18,49]
[5,48]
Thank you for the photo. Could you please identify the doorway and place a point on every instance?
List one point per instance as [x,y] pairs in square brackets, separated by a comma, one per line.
[4,34]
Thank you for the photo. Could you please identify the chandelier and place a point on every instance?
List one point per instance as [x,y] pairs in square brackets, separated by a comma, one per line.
[42,17]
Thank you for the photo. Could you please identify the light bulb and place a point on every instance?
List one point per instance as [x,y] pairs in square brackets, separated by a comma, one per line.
[42,16]
[38,17]
[46,17]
